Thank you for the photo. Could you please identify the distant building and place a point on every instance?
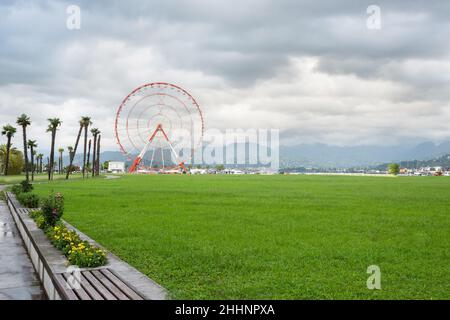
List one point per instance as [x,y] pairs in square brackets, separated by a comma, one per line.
[199,171]
[116,167]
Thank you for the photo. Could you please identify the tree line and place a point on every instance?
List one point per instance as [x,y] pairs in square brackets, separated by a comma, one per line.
[33,161]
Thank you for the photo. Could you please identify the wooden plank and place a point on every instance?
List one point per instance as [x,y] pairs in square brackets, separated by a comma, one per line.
[133,295]
[66,293]
[111,287]
[99,286]
[24,211]
[91,291]
[81,293]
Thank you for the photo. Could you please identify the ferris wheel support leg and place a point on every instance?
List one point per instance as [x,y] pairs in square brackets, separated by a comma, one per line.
[180,163]
[141,155]
[135,164]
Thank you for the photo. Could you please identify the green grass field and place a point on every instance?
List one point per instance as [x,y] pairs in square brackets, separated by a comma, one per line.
[264,237]
[41,177]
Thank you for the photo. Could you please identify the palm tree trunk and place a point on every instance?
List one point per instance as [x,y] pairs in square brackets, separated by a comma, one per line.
[98,155]
[32,164]
[94,154]
[8,148]
[88,158]
[25,151]
[72,155]
[62,164]
[52,156]
[84,154]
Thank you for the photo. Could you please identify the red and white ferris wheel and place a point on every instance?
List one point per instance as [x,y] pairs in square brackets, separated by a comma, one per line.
[148,116]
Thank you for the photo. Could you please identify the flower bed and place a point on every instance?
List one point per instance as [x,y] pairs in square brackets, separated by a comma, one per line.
[48,218]
[78,252]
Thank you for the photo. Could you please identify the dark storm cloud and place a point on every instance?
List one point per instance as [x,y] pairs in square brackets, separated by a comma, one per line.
[302,66]
[240,41]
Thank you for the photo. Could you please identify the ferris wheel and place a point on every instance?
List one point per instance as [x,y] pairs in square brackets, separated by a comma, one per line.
[146,120]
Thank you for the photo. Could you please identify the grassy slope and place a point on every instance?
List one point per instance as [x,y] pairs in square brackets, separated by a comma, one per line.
[284,237]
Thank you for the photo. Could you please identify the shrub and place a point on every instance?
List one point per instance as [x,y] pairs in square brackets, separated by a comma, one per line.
[38,217]
[53,208]
[28,199]
[26,186]
[16,189]
[40,222]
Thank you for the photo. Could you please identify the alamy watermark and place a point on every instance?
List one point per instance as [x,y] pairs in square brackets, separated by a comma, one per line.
[73,281]
[373,21]
[230,147]
[73,21]
[374,280]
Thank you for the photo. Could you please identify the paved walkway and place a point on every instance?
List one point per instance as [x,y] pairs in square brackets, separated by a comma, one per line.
[18,280]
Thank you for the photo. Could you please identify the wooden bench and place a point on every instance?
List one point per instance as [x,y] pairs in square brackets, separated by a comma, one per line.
[98,284]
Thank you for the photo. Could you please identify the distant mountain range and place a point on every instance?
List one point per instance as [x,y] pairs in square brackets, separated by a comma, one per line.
[326,156]
[320,155]
[442,161]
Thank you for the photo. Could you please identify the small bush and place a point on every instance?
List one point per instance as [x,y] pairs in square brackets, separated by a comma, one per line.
[53,208]
[40,222]
[38,217]
[16,189]
[26,186]
[28,199]
[22,187]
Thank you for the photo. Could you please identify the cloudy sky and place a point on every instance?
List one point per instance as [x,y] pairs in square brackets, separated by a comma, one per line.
[312,69]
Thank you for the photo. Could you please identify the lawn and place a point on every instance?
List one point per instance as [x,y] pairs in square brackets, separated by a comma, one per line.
[265,237]
[41,177]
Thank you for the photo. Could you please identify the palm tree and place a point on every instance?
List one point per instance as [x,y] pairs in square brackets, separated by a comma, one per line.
[72,156]
[86,123]
[70,149]
[34,165]
[60,163]
[9,132]
[40,156]
[88,157]
[24,121]
[95,132]
[52,127]
[32,144]
[98,154]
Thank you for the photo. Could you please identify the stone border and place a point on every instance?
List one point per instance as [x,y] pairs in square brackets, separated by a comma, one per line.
[49,261]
